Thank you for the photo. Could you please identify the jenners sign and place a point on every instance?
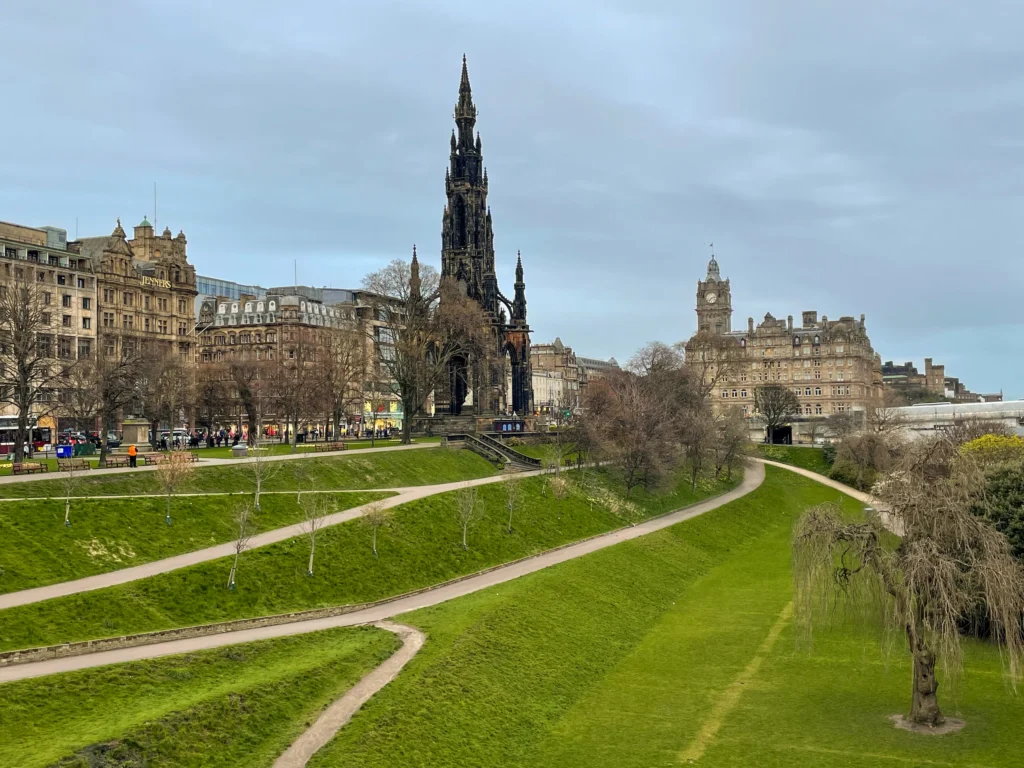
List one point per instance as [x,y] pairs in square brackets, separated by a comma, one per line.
[156,282]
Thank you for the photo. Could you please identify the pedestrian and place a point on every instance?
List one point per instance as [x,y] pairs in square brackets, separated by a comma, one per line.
[133,455]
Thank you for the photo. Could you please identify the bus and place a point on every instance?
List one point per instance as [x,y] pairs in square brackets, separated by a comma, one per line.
[40,436]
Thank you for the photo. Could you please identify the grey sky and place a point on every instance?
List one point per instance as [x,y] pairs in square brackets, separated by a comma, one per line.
[844,157]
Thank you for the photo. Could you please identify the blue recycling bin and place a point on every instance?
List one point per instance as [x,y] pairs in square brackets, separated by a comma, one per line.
[64,451]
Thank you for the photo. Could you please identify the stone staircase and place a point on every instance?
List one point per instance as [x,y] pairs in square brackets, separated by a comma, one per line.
[492,449]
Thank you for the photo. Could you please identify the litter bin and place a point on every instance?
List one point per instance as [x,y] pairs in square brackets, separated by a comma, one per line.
[64,451]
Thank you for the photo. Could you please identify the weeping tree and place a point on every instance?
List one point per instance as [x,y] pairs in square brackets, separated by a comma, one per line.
[946,567]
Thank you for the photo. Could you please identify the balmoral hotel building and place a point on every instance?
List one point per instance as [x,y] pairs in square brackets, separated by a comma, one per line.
[829,364]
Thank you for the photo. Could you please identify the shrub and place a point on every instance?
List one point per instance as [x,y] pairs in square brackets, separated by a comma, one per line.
[994,449]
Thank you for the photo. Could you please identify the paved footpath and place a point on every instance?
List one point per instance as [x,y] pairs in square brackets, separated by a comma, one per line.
[204,462]
[752,479]
[402,495]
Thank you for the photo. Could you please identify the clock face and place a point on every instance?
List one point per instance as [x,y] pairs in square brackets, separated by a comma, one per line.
[711,298]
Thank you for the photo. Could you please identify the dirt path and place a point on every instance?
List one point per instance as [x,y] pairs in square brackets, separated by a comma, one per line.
[123,576]
[341,711]
[753,478]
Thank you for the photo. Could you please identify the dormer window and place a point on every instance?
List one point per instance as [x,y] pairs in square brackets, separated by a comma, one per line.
[234,307]
[273,306]
[248,306]
[817,339]
[259,306]
[222,309]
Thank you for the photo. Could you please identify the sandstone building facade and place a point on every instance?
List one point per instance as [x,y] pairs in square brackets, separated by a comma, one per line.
[830,365]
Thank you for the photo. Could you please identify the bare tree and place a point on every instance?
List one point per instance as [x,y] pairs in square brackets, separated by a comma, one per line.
[714,358]
[260,468]
[421,324]
[947,562]
[343,369]
[315,509]
[776,405]
[30,354]
[468,510]
[733,434]
[559,489]
[81,394]
[69,482]
[298,385]
[171,473]
[165,388]
[885,416]
[513,492]
[376,517]
[117,377]
[243,524]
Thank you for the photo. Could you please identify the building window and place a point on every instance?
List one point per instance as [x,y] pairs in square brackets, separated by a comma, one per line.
[47,298]
[66,321]
[81,282]
[181,306]
[182,329]
[817,391]
[839,376]
[807,391]
[817,409]
[108,319]
[64,347]
[128,321]
[145,301]
[62,279]
[84,348]
[128,299]
[86,302]
[87,322]
[65,300]
[161,304]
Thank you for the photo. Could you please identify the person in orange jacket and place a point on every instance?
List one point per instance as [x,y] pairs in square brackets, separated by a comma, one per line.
[133,455]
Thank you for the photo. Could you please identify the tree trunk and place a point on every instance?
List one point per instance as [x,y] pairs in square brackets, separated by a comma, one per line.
[375,541]
[464,545]
[295,435]
[312,549]
[154,428]
[407,414]
[168,518]
[67,511]
[924,707]
[21,434]
[510,510]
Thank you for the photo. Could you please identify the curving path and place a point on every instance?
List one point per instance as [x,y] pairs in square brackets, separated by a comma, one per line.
[402,495]
[752,479]
[341,711]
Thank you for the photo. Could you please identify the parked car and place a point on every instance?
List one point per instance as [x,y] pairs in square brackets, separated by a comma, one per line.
[113,441]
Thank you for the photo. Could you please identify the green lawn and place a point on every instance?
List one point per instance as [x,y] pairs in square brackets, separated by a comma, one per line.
[423,547]
[804,457]
[279,449]
[339,472]
[235,707]
[106,535]
[655,653]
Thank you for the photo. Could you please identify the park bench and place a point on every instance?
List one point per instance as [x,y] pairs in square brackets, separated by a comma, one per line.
[76,464]
[325,447]
[28,467]
[117,461]
[160,458]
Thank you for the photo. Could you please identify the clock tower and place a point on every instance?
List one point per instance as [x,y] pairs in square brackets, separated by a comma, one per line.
[714,301]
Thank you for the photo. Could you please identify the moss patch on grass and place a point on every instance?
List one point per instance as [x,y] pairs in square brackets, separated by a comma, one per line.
[109,534]
[391,469]
[225,708]
[422,547]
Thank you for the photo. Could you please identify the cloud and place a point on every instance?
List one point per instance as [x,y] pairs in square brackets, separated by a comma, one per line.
[845,159]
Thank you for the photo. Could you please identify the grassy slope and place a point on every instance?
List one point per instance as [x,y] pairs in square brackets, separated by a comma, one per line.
[421,548]
[617,659]
[227,708]
[342,472]
[36,548]
[806,458]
